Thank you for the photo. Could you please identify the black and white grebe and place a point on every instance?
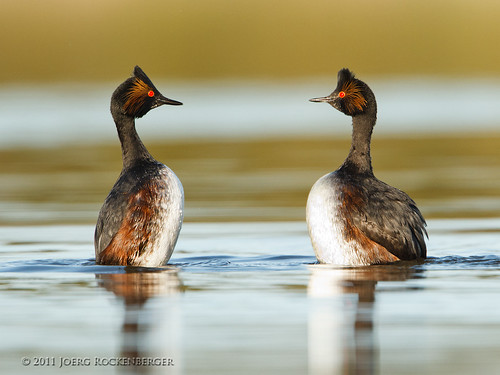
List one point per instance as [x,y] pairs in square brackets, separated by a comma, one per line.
[354,219]
[141,218]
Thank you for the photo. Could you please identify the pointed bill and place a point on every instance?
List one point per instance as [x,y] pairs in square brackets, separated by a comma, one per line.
[163,100]
[323,99]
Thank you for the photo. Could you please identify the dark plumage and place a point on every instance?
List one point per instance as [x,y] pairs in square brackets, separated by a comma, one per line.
[353,218]
[141,217]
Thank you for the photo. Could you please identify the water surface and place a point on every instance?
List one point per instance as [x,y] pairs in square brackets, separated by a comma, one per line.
[248,297]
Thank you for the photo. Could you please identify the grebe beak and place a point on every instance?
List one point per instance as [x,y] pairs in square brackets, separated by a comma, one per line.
[163,100]
[323,99]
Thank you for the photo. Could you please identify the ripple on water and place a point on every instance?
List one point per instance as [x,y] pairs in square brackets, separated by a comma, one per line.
[463,262]
[56,265]
[254,263]
[215,263]
[225,263]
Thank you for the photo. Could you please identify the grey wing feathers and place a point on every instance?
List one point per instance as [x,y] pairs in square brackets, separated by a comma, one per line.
[109,221]
[392,219]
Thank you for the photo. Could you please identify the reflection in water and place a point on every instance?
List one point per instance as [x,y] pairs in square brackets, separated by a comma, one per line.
[146,328]
[341,332]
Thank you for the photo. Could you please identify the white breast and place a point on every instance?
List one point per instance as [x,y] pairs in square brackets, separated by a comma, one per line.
[326,224]
[169,222]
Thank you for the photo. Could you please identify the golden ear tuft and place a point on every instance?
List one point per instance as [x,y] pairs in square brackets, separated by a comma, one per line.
[136,96]
[354,100]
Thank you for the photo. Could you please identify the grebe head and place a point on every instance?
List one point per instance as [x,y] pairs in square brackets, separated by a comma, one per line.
[351,97]
[137,96]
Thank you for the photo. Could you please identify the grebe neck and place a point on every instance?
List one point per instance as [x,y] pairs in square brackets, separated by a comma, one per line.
[359,156]
[133,149]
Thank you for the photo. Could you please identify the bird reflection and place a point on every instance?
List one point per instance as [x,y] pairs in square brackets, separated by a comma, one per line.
[341,327]
[136,288]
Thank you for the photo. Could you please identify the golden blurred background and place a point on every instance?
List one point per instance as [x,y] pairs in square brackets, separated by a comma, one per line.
[60,40]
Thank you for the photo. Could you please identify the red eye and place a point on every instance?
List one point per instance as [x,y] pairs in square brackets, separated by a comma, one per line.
[341,94]
[151,93]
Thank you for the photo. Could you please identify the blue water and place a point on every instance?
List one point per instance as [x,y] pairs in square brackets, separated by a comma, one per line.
[245,298]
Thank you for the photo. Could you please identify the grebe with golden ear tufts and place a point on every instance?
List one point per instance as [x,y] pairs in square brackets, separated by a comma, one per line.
[141,218]
[353,218]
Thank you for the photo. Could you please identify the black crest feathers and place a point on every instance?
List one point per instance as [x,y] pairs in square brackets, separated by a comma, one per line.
[139,94]
[139,74]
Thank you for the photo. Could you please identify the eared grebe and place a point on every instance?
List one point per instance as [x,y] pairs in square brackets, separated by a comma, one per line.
[140,220]
[354,219]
